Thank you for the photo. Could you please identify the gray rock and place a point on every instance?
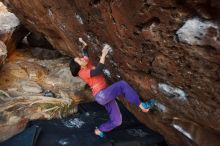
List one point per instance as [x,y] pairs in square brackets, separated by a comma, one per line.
[62,77]
[8,22]
[31,87]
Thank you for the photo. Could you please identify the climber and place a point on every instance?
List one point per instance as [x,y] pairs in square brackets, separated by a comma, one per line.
[105,95]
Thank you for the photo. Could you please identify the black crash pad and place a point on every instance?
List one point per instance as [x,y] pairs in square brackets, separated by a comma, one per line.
[78,130]
[26,138]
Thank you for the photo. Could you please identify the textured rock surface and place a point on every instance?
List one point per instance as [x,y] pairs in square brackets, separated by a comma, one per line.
[149,49]
[43,53]
[8,22]
[11,32]
[16,112]
[25,75]
[28,84]
[3,53]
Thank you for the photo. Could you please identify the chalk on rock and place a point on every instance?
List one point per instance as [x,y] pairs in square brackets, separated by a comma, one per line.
[180,129]
[172,92]
[161,107]
[107,73]
[194,31]
[79,18]
[108,46]
[50,13]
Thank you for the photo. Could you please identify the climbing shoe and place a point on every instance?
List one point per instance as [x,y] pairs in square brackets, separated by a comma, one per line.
[99,133]
[148,104]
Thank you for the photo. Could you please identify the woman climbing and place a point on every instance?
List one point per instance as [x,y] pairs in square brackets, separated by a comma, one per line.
[104,94]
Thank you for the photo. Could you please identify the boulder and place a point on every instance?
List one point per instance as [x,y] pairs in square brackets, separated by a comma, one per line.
[11,31]
[154,43]
[16,112]
[24,75]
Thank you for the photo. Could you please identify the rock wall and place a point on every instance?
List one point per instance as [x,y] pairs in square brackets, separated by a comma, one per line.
[168,50]
[11,32]
[3,53]
[32,89]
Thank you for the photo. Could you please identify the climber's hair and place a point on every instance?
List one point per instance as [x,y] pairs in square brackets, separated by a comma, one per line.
[74,68]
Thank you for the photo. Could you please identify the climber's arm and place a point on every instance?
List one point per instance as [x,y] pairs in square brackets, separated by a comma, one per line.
[84,47]
[97,70]
[100,66]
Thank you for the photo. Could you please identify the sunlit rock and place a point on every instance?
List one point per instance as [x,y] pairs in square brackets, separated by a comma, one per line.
[8,22]
[11,31]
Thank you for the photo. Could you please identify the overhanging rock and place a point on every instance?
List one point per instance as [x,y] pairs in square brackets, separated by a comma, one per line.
[146,52]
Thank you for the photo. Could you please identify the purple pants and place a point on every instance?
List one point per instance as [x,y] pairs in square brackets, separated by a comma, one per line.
[106,97]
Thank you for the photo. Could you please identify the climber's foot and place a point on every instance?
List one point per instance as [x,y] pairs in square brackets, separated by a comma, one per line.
[99,133]
[145,106]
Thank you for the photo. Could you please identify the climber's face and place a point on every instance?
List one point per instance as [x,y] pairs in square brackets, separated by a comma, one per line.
[82,61]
